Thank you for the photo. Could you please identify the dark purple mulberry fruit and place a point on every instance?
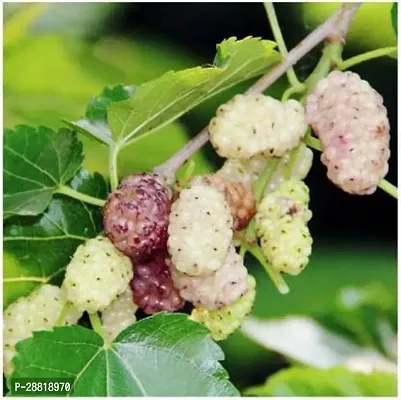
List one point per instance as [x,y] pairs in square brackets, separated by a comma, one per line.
[153,286]
[135,216]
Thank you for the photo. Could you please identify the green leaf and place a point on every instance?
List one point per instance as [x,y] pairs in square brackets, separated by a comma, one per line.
[361,313]
[394,17]
[158,102]
[36,163]
[305,341]
[38,248]
[163,355]
[95,120]
[330,382]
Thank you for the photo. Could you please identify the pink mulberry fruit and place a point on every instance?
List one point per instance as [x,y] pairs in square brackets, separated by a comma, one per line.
[351,121]
[221,288]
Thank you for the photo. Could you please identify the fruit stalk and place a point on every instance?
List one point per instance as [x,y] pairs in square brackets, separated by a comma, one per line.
[80,196]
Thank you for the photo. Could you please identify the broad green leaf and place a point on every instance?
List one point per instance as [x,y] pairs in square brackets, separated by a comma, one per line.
[158,102]
[38,248]
[361,313]
[95,120]
[394,17]
[305,341]
[163,355]
[36,163]
[330,382]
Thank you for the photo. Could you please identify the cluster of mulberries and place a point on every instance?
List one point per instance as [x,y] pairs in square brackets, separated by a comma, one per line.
[136,219]
[161,250]
[256,124]
[37,312]
[281,225]
[351,121]
[205,267]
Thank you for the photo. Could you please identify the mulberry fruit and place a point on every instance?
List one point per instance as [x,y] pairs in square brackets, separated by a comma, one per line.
[281,225]
[248,171]
[135,216]
[120,314]
[223,322]
[288,245]
[243,171]
[153,287]
[238,196]
[96,275]
[37,312]
[351,121]
[222,288]
[301,165]
[252,124]
[200,231]
[290,198]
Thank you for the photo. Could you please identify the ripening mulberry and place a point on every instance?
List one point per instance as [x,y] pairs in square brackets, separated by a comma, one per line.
[221,288]
[239,197]
[120,314]
[224,321]
[152,286]
[200,231]
[37,312]
[248,171]
[243,171]
[254,123]
[281,225]
[135,216]
[301,165]
[351,121]
[288,245]
[290,198]
[96,275]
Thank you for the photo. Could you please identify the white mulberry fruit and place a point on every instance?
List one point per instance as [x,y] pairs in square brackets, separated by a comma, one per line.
[96,275]
[243,171]
[224,321]
[248,171]
[281,225]
[301,165]
[221,288]
[254,123]
[135,216]
[239,197]
[153,286]
[200,231]
[351,121]
[37,312]
[120,314]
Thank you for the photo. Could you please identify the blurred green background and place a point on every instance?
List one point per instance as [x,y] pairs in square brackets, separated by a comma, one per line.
[57,55]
